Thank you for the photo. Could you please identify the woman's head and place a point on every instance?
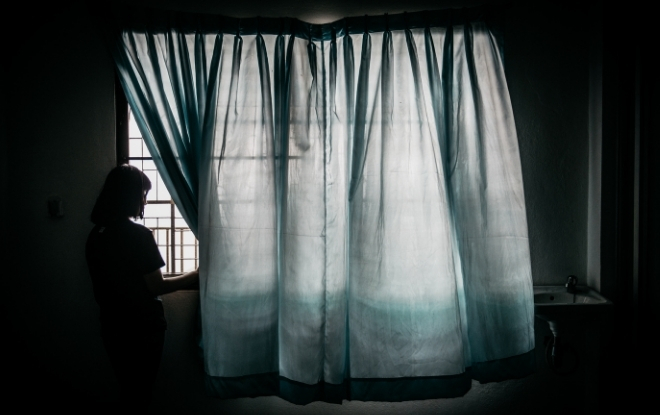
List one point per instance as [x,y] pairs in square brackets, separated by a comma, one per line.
[123,195]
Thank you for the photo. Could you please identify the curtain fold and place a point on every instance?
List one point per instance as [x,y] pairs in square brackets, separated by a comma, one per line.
[171,86]
[357,196]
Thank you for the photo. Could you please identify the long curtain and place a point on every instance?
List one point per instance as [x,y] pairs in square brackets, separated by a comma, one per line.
[357,193]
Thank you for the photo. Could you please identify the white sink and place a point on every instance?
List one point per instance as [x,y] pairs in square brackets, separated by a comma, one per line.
[554,305]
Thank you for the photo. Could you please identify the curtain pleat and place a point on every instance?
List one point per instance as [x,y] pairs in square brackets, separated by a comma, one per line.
[358,200]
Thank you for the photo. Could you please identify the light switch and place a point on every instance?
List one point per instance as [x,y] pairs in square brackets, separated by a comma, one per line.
[55,207]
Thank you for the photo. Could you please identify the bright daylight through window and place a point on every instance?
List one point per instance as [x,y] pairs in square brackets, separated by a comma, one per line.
[178,245]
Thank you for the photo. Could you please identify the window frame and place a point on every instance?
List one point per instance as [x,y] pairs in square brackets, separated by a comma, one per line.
[122,120]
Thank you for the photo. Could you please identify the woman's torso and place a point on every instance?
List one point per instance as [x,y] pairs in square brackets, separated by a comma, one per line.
[118,255]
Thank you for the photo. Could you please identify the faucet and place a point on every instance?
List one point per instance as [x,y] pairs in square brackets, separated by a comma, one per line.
[571,282]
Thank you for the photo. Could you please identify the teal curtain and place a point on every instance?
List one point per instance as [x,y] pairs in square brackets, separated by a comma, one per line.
[357,192]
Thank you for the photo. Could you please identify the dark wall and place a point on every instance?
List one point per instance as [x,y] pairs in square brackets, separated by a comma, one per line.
[60,142]
[629,246]
[546,57]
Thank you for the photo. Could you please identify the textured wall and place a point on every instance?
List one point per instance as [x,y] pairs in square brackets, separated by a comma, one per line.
[546,52]
[61,140]
[60,125]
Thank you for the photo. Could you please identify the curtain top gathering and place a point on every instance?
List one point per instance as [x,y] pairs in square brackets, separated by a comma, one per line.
[138,19]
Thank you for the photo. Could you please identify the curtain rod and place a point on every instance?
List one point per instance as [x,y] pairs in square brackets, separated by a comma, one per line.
[123,17]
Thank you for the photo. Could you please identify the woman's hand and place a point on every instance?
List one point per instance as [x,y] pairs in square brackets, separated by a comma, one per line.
[159,285]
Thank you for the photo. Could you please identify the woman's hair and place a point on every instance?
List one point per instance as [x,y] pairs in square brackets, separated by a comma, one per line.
[122,195]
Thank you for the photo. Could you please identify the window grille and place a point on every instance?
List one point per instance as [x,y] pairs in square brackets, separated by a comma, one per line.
[178,245]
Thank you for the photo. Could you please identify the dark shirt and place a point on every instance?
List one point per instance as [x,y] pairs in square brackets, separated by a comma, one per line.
[118,255]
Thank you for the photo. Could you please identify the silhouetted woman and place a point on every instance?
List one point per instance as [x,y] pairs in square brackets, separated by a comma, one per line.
[125,266]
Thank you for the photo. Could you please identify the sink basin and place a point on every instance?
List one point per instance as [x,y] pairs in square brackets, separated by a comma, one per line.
[554,305]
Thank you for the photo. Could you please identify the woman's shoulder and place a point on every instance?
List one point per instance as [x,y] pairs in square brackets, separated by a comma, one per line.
[136,228]
[124,227]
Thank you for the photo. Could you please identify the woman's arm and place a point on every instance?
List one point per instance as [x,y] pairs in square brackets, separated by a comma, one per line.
[159,285]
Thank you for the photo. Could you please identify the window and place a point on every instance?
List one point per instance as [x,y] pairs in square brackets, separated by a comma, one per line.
[178,245]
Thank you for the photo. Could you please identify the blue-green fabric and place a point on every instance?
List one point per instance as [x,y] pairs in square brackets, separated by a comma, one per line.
[357,196]
[171,83]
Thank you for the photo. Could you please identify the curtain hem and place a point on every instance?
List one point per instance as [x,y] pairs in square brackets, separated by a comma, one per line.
[383,390]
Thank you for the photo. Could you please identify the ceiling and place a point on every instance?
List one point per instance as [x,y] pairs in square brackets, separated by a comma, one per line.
[314,11]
